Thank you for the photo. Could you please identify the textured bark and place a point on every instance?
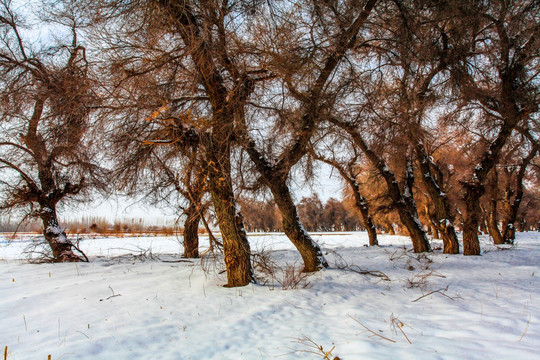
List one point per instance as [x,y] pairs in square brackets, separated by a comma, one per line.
[471,244]
[56,237]
[191,232]
[444,221]
[492,218]
[361,205]
[235,243]
[359,200]
[309,250]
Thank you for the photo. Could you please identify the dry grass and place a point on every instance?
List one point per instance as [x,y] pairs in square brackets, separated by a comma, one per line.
[313,348]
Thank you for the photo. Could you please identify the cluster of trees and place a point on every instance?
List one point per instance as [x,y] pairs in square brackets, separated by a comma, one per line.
[334,215]
[428,109]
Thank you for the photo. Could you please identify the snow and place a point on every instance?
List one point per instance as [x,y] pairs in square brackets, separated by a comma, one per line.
[129,303]
[55,229]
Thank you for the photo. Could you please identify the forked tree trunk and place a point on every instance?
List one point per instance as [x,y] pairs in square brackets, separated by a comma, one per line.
[235,244]
[191,232]
[309,250]
[56,237]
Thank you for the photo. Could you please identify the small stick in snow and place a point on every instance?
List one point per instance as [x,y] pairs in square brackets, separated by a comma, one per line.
[399,324]
[371,331]
[5,353]
[440,291]
[113,295]
[526,328]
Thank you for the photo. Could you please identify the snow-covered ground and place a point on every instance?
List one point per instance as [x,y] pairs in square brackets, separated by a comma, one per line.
[134,300]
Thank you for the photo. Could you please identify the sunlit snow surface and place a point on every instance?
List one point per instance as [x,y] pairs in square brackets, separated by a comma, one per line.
[131,302]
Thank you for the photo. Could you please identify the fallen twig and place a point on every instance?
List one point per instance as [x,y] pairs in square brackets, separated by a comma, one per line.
[371,331]
[376,273]
[526,328]
[440,291]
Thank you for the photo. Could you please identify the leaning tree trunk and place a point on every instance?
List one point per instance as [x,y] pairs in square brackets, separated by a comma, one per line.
[444,221]
[309,250]
[361,204]
[235,244]
[276,180]
[191,232]
[359,200]
[55,236]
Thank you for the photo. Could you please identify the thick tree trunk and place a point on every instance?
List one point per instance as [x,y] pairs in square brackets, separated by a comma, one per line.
[56,237]
[191,232]
[309,250]
[473,193]
[235,243]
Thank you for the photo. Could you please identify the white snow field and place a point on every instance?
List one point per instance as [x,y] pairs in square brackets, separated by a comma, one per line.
[131,301]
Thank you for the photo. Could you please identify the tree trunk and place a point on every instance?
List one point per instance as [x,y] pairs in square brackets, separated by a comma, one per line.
[309,250]
[235,243]
[509,233]
[443,218]
[491,215]
[435,231]
[389,227]
[275,177]
[362,206]
[56,237]
[473,193]
[191,232]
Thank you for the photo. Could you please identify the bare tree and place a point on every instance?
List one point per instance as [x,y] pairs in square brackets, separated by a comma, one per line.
[304,66]
[47,152]
[202,80]
[496,74]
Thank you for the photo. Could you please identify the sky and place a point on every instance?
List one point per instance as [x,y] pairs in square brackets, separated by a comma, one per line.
[326,185]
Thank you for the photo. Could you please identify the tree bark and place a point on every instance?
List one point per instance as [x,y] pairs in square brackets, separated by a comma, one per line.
[309,250]
[191,232]
[509,231]
[56,237]
[492,217]
[359,200]
[235,244]
[361,204]
[473,193]
[444,221]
